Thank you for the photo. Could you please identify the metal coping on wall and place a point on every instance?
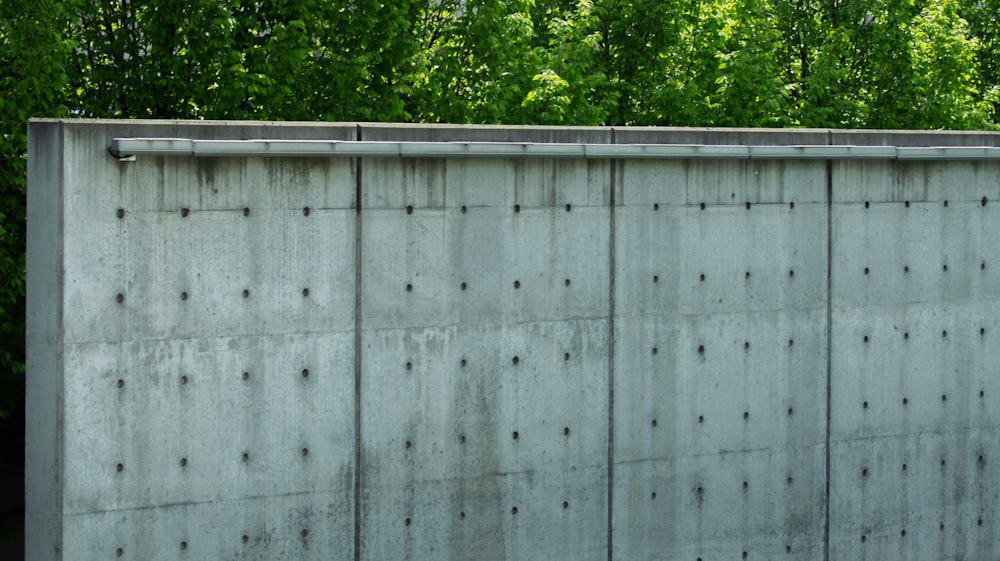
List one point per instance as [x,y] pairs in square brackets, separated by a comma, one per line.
[129,148]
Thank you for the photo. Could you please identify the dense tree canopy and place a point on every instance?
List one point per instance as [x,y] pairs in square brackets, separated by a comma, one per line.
[825,63]
[818,63]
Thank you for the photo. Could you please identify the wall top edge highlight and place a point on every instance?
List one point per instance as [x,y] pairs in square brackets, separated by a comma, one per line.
[127,148]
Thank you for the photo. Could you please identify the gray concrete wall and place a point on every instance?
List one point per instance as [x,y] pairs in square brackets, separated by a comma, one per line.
[489,358]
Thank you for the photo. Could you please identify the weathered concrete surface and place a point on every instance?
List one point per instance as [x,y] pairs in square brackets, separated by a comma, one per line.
[484,358]
[178,417]
[914,304]
[268,358]
[719,360]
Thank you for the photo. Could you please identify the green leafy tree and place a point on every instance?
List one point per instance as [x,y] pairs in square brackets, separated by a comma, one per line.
[259,59]
[946,79]
[570,86]
[750,89]
[983,24]
[648,63]
[32,79]
[476,61]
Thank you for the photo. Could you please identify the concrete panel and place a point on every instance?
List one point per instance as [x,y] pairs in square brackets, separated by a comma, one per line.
[679,402]
[446,267]
[915,232]
[206,364]
[913,310]
[756,504]
[720,360]
[913,369]
[930,495]
[181,262]
[557,514]
[221,399]
[316,526]
[448,402]
[484,358]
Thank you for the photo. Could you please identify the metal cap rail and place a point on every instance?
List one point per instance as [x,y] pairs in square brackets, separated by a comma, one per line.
[129,148]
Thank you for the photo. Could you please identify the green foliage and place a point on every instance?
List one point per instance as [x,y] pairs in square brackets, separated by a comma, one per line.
[32,79]
[234,59]
[983,20]
[819,63]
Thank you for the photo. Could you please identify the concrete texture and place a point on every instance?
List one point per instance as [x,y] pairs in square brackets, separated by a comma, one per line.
[719,360]
[505,358]
[914,312]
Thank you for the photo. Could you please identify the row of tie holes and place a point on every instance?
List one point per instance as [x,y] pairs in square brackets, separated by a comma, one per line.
[701,277]
[517,208]
[120,297]
[516,361]
[304,533]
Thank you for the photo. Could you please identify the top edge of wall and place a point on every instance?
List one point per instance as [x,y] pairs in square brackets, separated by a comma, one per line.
[403,132]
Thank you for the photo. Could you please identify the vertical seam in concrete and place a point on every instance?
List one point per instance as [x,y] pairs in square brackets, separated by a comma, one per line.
[357,354]
[611,355]
[829,348]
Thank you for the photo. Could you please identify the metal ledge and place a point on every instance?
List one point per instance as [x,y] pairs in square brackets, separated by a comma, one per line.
[128,148]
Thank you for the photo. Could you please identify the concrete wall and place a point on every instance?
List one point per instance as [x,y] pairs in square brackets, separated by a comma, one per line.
[333,358]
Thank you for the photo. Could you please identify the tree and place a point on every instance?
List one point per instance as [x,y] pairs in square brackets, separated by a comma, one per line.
[240,59]
[983,25]
[32,79]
